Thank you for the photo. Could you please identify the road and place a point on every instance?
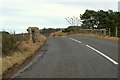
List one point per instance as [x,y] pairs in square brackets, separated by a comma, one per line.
[76,57]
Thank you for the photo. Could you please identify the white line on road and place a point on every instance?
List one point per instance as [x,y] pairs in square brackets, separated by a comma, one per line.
[107,57]
[75,40]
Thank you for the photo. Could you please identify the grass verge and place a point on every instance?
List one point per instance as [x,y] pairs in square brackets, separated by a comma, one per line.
[60,33]
[19,57]
[97,36]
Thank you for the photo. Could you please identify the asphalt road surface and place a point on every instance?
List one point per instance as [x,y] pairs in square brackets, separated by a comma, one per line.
[76,57]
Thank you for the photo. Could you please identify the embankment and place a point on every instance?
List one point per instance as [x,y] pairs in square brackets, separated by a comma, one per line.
[16,59]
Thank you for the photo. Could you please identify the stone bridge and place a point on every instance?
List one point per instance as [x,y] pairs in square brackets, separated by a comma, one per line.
[33,33]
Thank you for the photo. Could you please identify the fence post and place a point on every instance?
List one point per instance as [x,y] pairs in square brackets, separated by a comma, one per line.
[116,32]
[109,32]
[104,32]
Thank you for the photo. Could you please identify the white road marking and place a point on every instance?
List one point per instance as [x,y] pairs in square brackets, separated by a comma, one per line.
[33,61]
[107,57]
[75,40]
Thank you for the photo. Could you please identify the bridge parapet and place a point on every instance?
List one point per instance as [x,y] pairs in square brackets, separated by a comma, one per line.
[33,32]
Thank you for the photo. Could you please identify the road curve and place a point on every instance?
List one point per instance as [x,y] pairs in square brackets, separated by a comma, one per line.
[66,58]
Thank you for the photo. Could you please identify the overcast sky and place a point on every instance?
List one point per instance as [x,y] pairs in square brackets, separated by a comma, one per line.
[18,15]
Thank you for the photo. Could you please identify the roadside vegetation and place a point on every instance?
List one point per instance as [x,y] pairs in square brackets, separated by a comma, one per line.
[91,19]
[58,33]
[8,43]
[0,45]
[16,49]
[97,36]
[0,54]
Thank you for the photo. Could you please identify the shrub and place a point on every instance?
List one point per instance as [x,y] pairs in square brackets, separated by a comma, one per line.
[8,42]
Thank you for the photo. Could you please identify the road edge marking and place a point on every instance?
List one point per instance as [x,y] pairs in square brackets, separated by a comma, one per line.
[107,57]
[33,61]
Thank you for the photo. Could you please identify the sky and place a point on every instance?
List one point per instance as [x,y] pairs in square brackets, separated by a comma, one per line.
[18,15]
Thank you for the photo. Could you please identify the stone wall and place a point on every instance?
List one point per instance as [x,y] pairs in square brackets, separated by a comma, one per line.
[33,33]
[89,31]
[31,36]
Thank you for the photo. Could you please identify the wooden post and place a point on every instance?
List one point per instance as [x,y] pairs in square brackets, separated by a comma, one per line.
[116,32]
[109,32]
[104,32]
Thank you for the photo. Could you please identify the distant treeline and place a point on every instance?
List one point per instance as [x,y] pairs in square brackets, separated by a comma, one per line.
[91,19]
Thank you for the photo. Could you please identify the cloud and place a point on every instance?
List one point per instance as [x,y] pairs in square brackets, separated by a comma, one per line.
[20,14]
[39,13]
[60,1]
[44,9]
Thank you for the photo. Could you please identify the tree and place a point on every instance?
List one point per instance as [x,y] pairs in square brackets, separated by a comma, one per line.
[101,19]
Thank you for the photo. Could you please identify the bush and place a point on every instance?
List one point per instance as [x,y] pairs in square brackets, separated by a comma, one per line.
[8,42]
[73,28]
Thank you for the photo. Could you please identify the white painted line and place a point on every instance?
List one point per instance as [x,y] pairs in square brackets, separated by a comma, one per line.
[34,60]
[107,57]
[75,40]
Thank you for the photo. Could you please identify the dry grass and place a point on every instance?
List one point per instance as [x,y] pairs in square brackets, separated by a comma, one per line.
[59,33]
[17,58]
[97,36]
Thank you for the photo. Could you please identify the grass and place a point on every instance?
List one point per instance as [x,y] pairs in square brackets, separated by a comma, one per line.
[97,36]
[60,33]
[8,43]
[17,58]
